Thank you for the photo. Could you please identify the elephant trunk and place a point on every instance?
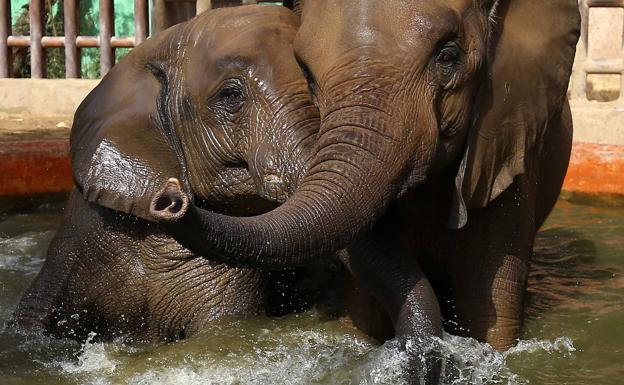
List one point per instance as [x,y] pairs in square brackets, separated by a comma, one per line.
[348,186]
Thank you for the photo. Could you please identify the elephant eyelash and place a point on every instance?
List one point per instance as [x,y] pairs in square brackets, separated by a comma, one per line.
[157,70]
[448,128]
[453,81]
[449,55]
[448,61]
[492,16]
[232,95]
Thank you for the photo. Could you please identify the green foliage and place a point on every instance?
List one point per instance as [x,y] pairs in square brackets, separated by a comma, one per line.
[21,56]
[53,14]
[89,21]
[90,57]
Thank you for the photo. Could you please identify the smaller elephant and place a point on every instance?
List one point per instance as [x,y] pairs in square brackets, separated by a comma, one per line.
[217,104]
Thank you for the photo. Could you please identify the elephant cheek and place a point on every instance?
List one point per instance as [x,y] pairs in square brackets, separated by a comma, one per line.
[124,183]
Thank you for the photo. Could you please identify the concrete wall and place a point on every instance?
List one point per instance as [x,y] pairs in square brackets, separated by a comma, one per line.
[43,97]
[598,107]
[606,26]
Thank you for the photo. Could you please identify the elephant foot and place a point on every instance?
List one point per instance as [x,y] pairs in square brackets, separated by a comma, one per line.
[423,359]
[401,360]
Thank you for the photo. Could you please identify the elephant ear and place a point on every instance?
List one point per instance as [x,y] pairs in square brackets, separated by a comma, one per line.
[532,47]
[122,150]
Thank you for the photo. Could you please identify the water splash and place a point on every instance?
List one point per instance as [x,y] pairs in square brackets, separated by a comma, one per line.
[25,252]
[289,352]
[276,356]
[471,362]
[92,358]
[562,345]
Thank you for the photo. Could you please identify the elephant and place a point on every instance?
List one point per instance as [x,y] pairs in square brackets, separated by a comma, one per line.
[166,13]
[217,104]
[444,140]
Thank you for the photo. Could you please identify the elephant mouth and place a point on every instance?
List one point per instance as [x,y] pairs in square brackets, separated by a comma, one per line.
[171,202]
[238,184]
[241,206]
[272,179]
[273,188]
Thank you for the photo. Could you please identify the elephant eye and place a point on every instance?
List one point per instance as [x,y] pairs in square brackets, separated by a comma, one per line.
[232,96]
[448,55]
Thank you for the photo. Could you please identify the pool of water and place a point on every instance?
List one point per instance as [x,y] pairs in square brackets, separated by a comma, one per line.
[574,332]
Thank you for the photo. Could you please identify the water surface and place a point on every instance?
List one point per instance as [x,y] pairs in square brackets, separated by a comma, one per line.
[574,332]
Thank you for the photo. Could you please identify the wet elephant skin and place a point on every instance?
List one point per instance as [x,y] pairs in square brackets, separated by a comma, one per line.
[217,104]
[445,136]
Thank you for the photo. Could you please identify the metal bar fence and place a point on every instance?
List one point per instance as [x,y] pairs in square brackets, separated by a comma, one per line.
[108,42]
[71,41]
[72,53]
[5,32]
[37,53]
[107,30]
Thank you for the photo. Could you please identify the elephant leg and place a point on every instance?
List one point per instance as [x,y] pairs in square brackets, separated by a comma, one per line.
[365,312]
[489,303]
[552,164]
[395,280]
[492,267]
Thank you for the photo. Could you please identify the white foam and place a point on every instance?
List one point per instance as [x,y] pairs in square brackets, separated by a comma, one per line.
[24,252]
[93,358]
[471,362]
[297,356]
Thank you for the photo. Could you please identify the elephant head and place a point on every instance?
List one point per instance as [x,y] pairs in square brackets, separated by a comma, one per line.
[406,89]
[215,107]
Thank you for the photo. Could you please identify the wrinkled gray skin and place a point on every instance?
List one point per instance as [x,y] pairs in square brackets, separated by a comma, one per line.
[445,137]
[218,103]
[117,275]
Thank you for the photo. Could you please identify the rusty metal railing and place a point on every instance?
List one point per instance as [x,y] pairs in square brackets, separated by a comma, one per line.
[584,64]
[71,42]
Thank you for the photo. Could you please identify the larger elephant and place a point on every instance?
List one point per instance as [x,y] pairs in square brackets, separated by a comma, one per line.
[217,104]
[445,137]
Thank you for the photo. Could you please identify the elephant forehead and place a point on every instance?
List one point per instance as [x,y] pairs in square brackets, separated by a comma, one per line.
[264,61]
[239,29]
[240,18]
[349,28]
[246,46]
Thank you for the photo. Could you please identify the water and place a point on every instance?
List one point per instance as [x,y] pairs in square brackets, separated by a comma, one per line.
[574,332]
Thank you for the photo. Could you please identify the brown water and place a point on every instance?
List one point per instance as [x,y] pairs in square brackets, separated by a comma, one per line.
[574,330]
